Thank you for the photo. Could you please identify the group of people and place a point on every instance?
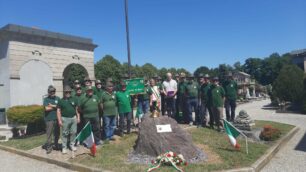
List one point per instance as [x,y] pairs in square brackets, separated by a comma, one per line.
[82,105]
[203,95]
[108,106]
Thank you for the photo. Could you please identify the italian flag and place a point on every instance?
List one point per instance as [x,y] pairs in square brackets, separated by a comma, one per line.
[232,134]
[86,136]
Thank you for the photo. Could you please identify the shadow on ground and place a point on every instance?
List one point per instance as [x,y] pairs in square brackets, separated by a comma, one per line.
[302,144]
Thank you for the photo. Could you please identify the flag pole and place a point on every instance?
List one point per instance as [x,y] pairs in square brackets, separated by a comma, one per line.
[246,138]
[80,131]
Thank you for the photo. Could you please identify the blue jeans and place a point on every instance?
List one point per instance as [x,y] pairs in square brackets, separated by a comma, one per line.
[230,108]
[203,114]
[128,117]
[109,123]
[144,105]
[192,103]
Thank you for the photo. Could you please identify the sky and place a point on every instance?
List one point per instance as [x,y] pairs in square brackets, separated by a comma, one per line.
[171,33]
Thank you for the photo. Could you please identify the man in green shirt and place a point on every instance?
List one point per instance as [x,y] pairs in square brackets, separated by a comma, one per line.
[109,107]
[191,94]
[98,91]
[50,105]
[68,117]
[205,86]
[181,99]
[231,88]
[89,106]
[76,84]
[78,95]
[216,101]
[123,99]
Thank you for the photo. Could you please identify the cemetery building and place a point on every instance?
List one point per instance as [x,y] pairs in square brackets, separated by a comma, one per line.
[299,58]
[31,59]
[244,82]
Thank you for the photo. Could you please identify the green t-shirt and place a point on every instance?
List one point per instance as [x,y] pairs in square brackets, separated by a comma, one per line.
[51,115]
[123,101]
[216,94]
[98,92]
[68,107]
[204,91]
[89,106]
[230,88]
[181,88]
[192,89]
[109,104]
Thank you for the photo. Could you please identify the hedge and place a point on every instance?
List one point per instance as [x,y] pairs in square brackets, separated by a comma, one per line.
[24,115]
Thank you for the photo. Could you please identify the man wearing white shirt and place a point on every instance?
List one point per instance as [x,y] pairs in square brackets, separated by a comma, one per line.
[170,90]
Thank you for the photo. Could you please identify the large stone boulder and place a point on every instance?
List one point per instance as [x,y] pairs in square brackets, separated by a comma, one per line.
[153,143]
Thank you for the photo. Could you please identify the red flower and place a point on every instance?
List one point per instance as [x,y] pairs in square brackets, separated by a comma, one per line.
[174,154]
[186,164]
[168,155]
[153,162]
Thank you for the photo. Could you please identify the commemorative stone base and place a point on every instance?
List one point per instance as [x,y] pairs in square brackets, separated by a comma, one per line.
[154,140]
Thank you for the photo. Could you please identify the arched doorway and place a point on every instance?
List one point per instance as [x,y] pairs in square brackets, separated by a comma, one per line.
[74,72]
[35,77]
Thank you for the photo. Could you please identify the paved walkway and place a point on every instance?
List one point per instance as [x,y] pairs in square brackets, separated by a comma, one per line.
[14,163]
[292,157]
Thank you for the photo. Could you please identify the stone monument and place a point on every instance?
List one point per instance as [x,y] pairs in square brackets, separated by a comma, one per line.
[161,134]
[243,121]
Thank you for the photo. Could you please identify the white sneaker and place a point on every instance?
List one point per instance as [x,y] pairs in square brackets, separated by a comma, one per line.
[64,151]
[73,148]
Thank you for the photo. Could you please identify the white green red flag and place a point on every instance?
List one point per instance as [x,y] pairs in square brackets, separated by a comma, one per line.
[86,136]
[232,134]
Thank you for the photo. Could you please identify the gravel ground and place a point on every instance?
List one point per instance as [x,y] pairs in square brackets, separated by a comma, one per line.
[292,157]
[15,163]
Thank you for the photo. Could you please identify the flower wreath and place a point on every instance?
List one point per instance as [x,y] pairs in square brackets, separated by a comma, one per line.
[168,158]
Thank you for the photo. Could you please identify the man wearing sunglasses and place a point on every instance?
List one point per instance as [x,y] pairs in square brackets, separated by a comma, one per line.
[52,128]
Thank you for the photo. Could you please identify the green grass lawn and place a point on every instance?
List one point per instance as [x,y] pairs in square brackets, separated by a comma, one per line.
[221,154]
[26,143]
[113,156]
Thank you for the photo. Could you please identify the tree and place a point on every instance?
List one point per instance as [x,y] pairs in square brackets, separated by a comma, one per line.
[148,70]
[288,86]
[253,67]
[74,72]
[237,66]
[224,69]
[182,70]
[108,67]
[201,70]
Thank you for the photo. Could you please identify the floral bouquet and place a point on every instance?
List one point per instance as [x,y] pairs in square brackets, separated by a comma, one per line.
[170,159]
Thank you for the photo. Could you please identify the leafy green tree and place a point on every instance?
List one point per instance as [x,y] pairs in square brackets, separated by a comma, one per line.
[108,67]
[224,70]
[237,66]
[148,70]
[182,70]
[253,67]
[288,86]
[74,72]
[202,70]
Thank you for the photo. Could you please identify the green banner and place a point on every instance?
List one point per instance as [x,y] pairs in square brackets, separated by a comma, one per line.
[135,86]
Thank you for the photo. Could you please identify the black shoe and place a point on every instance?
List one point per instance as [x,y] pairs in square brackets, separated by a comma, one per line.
[49,150]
